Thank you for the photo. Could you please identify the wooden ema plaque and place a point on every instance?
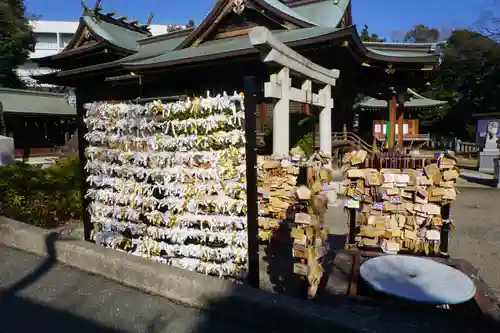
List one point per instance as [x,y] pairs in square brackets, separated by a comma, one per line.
[399,209]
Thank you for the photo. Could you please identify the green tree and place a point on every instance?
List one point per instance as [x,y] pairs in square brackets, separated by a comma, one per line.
[17,40]
[469,79]
[365,36]
[421,34]
[174,27]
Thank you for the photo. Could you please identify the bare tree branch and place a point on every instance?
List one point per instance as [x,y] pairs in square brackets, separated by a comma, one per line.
[489,21]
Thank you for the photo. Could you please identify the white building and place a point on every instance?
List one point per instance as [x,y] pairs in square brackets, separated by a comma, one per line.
[52,37]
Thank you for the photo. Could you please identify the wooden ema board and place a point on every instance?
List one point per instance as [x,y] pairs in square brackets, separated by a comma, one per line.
[284,203]
[396,209]
[484,305]
[308,234]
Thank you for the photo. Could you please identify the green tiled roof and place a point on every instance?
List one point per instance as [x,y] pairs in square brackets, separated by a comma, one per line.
[289,11]
[402,49]
[154,48]
[415,101]
[35,102]
[230,45]
[325,13]
[114,34]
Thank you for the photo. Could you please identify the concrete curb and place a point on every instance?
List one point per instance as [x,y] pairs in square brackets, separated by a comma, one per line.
[192,289]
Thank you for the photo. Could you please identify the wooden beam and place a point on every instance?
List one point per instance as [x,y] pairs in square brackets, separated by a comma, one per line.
[81,39]
[225,10]
[401,117]
[234,33]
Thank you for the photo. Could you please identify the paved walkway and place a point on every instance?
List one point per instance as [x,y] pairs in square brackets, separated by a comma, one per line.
[472,178]
[477,233]
[41,296]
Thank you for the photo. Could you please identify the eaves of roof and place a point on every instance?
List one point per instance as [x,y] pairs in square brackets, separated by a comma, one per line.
[35,102]
[415,101]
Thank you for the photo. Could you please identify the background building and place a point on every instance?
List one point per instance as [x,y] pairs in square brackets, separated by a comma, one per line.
[51,38]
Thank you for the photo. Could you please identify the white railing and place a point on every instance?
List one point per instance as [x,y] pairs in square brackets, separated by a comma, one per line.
[466,147]
[441,143]
[457,145]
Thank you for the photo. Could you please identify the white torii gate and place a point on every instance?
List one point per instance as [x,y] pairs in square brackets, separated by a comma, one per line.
[279,87]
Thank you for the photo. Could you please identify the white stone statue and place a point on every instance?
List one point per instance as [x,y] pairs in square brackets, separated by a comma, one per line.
[491,136]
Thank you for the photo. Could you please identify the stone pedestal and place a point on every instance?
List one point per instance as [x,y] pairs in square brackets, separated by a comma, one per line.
[486,159]
[7,151]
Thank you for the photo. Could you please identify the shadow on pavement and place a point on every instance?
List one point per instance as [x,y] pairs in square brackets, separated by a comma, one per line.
[480,181]
[38,272]
[20,315]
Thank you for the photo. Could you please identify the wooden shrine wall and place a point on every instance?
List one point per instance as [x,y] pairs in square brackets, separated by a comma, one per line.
[410,128]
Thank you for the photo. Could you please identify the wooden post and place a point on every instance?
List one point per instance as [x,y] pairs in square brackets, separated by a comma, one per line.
[392,122]
[26,143]
[401,117]
[3,129]
[445,229]
[81,99]
[352,226]
[251,87]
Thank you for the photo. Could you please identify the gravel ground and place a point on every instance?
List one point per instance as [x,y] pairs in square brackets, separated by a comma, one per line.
[476,237]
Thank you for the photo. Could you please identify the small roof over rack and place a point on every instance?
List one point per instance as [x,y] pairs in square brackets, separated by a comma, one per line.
[35,103]
[415,101]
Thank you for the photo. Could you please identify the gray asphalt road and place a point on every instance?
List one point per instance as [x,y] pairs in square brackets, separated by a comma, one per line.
[40,296]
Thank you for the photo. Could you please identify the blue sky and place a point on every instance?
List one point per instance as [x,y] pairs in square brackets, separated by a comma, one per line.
[388,18]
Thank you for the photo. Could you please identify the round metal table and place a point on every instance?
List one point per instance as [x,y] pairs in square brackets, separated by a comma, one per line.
[417,279]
